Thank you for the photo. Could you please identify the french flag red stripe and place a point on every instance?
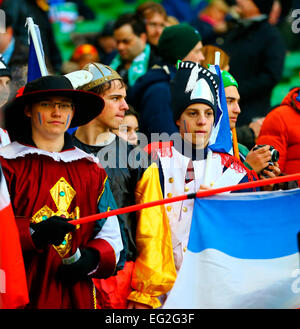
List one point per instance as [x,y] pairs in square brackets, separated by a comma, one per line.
[13,285]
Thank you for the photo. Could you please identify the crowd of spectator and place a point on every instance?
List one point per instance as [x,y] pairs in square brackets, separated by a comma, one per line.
[151,69]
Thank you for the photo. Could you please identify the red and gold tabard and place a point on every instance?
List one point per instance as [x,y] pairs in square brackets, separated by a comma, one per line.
[68,184]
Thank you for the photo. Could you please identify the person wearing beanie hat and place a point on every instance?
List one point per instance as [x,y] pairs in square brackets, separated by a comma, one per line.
[200,86]
[50,182]
[183,161]
[255,159]
[140,282]
[150,96]
[177,41]
[257,51]
[228,79]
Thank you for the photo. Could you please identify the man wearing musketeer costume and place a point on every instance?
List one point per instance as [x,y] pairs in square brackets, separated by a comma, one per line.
[50,182]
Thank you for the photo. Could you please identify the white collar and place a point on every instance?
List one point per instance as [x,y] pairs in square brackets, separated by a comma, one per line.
[16,150]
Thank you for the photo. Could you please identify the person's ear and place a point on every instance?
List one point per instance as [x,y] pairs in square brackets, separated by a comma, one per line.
[10,31]
[27,111]
[143,37]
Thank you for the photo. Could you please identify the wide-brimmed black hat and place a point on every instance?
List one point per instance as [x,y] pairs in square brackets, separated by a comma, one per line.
[87,104]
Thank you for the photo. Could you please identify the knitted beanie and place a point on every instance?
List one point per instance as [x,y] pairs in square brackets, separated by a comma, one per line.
[177,41]
[228,80]
[193,84]
[264,6]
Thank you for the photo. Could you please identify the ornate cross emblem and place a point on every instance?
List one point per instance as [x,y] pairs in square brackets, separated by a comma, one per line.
[62,194]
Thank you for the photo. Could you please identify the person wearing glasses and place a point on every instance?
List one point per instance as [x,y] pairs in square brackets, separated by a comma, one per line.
[155,17]
[51,182]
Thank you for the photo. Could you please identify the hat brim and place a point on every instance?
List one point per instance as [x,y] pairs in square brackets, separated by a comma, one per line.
[87,105]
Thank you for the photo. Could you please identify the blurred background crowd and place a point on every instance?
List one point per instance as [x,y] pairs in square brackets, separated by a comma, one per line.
[77,32]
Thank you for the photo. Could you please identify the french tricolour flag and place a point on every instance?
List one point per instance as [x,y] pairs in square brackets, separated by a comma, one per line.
[36,59]
[242,253]
[221,138]
[13,285]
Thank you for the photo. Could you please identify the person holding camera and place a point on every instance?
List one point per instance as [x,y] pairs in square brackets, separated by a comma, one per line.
[261,158]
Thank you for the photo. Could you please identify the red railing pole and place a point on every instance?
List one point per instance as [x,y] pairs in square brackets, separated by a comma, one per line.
[199,194]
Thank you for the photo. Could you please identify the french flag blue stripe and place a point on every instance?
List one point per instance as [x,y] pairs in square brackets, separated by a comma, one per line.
[247,226]
[220,140]
[34,71]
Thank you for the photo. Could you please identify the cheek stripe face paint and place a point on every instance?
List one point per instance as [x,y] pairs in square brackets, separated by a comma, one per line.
[39,117]
[68,119]
[184,124]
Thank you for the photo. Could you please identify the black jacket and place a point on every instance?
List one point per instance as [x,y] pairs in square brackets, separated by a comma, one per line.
[151,98]
[117,158]
[257,54]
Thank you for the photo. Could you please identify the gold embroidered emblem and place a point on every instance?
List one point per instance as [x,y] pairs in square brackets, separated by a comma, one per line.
[62,194]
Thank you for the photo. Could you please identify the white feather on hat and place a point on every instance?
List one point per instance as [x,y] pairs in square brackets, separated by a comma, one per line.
[79,78]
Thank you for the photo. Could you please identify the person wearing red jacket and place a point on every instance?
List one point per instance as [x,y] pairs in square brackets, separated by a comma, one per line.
[50,181]
[281,129]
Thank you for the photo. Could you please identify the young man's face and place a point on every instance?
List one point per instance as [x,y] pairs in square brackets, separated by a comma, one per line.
[115,106]
[232,99]
[129,45]
[50,117]
[195,124]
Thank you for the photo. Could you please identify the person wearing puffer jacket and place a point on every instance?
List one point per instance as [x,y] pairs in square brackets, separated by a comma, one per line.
[281,129]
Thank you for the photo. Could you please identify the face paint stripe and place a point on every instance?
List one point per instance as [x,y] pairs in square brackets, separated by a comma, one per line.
[39,117]
[68,119]
[185,128]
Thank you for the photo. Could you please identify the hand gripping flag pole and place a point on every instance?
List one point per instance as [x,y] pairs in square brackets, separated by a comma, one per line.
[200,194]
